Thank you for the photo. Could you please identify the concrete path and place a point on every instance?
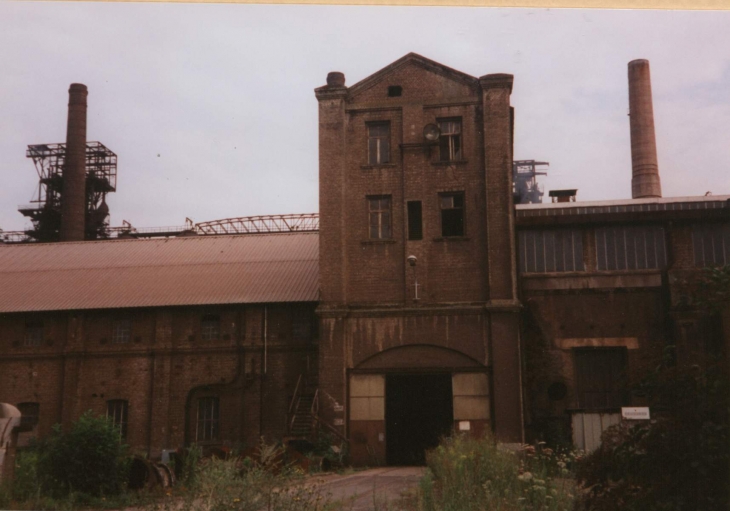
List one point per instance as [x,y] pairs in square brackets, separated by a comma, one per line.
[376,489]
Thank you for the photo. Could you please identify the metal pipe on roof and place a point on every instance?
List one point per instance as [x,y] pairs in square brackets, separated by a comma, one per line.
[73,196]
[645,181]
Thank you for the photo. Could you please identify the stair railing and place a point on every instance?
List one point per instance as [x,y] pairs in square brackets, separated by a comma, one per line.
[291,414]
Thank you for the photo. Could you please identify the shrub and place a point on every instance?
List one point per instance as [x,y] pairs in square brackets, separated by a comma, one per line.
[678,461]
[90,458]
[244,484]
[465,474]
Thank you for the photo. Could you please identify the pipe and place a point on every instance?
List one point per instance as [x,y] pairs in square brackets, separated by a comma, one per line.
[266,336]
[73,196]
[645,181]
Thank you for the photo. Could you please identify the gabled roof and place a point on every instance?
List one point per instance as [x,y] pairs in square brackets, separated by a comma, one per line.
[253,268]
[413,58]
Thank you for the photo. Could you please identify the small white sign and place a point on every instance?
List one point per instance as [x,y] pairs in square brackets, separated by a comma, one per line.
[464,426]
[339,408]
[339,422]
[635,414]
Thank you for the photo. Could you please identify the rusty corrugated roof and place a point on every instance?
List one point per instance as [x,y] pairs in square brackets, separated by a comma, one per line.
[159,272]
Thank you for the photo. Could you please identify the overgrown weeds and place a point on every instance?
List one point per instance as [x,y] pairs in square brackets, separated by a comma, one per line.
[467,474]
[246,484]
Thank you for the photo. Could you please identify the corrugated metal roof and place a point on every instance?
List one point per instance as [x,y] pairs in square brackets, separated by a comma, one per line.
[160,272]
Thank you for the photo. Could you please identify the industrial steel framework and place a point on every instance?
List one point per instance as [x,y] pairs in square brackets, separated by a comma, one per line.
[524,177]
[45,208]
[260,224]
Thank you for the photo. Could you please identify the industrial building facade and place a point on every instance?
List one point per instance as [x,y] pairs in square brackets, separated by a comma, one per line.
[425,302]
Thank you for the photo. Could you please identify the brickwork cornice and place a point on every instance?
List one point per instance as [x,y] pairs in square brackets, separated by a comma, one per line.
[327,92]
[497,81]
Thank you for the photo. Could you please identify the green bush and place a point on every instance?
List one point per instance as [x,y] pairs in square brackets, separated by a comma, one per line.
[90,459]
[466,474]
[27,485]
[678,461]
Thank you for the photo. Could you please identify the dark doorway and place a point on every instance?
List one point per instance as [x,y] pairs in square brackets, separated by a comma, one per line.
[418,412]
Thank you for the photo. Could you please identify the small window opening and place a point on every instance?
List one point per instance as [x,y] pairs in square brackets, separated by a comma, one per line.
[30,412]
[394,91]
[415,220]
[452,214]
[378,143]
[208,420]
[450,140]
[33,333]
[210,327]
[122,331]
[379,217]
[117,410]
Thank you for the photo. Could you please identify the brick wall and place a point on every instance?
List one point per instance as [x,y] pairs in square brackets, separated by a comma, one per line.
[163,369]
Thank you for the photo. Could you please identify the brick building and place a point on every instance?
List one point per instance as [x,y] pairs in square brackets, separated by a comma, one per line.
[427,302]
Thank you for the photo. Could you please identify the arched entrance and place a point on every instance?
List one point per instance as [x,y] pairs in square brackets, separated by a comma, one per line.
[403,400]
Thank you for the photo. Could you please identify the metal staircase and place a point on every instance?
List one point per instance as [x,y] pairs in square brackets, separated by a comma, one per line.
[302,416]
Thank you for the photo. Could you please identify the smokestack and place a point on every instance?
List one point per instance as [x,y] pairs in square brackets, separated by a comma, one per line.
[645,176]
[73,196]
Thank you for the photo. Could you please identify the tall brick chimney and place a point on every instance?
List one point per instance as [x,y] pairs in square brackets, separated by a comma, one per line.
[73,196]
[645,181]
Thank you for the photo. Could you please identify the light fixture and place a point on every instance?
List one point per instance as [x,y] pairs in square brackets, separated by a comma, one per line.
[431,132]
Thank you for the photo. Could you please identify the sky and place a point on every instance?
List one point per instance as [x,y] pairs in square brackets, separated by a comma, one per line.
[211,108]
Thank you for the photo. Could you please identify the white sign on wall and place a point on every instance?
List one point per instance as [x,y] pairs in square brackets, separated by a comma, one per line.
[635,414]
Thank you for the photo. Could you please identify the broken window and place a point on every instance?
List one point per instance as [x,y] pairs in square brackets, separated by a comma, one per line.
[630,248]
[450,140]
[210,327]
[378,143]
[379,217]
[711,244]
[117,412]
[208,419]
[30,412]
[33,333]
[601,378]
[452,214]
[415,220]
[550,250]
[122,331]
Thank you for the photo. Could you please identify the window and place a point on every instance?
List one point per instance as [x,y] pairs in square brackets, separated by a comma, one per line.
[630,248]
[122,331]
[415,220]
[394,91]
[711,244]
[378,143]
[452,214]
[379,217]
[601,377]
[29,415]
[117,412]
[210,327]
[450,140]
[301,326]
[550,250]
[208,419]
[33,333]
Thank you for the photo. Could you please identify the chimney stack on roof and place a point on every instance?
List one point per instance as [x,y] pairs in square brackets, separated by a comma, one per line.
[645,181]
[73,196]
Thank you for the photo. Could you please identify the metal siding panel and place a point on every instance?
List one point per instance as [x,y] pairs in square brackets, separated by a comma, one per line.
[578,432]
[160,272]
